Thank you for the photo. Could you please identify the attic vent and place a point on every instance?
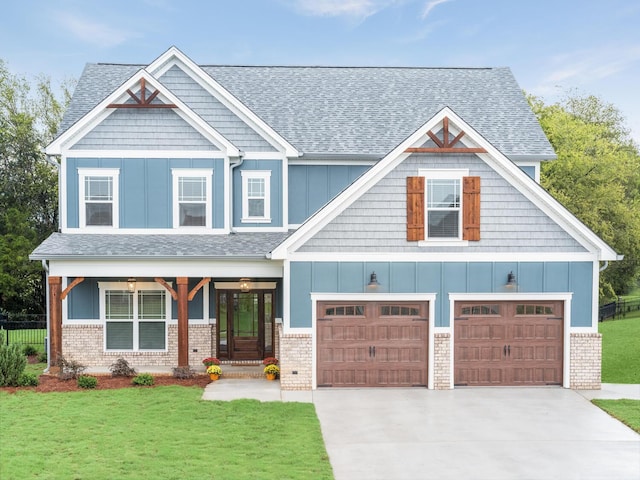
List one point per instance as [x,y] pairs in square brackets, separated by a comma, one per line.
[445,145]
[142,101]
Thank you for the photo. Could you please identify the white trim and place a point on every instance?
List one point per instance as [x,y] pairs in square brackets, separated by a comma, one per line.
[595,297]
[365,297]
[496,160]
[442,257]
[285,192]
[265,176]
[140,286]
[177,174]
[286,296]
[259,229]
[114,174]
[83,321]
[150,154]
[263,156]
[518,296]
[63,197]
[173,267]
[236,285]
[100,112]
[173,56]
[294,226]
[65,303]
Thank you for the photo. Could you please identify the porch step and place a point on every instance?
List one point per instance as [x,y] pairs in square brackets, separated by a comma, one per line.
[235,370]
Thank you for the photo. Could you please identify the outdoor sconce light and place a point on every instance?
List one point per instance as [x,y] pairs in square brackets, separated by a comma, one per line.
[511,280]
[131,285]
[245,285]
[373,281]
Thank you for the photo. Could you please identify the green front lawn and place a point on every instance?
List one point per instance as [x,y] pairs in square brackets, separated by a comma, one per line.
[620,352]
[625,410]
[159,433]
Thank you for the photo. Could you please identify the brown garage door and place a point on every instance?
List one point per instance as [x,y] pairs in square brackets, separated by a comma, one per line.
[508,343]
[371,344]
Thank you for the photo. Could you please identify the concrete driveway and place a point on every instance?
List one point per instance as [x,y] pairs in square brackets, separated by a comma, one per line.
[473,433]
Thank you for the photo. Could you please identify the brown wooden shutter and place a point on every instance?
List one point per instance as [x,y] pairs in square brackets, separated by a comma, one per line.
[471,208]
[415,209]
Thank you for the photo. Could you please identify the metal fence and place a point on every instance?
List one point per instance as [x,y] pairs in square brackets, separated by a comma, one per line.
[618,309]
[27,329]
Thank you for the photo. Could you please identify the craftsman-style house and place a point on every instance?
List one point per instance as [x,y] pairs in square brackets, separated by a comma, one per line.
[368,226]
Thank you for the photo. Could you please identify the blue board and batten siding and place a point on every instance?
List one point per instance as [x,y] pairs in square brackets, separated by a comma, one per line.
[441,278]
[312,186]
[145,189]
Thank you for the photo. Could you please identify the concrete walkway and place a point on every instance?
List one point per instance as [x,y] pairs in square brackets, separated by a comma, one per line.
[466,433]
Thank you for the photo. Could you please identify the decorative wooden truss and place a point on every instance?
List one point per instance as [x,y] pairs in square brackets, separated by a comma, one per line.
[143,101]
[445,145]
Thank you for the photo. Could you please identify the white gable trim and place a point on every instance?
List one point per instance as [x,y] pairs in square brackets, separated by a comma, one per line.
[101,112]
[496,160]
[174,56]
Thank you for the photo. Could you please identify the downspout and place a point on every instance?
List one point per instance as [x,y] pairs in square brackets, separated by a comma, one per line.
[231,205]
[604,267]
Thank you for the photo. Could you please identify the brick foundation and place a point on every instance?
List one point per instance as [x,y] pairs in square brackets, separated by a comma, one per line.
[442,361]
[295,356]
[585,361]
[85,344]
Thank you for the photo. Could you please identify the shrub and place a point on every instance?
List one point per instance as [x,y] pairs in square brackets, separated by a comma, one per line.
[12,364]
[69,368]
[121,368]
[143,379]
[28,380]
[183,372]
[87,381]
[42,357]
[29,350]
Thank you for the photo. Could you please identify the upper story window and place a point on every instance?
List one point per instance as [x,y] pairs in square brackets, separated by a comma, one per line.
[256,202]
[443,206]
[192,197]
[98,206]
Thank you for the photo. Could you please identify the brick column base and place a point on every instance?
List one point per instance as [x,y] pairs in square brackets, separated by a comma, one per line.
[585,361]
[442,361]
[295,361]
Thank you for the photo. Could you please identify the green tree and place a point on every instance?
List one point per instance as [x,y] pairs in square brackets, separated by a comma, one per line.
[597,177]
[28,185]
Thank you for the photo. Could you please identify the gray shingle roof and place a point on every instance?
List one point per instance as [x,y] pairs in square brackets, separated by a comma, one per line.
[239,245]
[357,110]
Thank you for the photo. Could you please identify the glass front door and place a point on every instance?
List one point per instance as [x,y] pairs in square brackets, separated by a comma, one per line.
[245,324]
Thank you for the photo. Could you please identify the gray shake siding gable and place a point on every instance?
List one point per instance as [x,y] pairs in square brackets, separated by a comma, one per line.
[143,129]
[376,222]
[212,111]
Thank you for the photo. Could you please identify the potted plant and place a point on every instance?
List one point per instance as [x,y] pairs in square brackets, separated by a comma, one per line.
[270,361]
[214,372]
[271,371]
[207,362]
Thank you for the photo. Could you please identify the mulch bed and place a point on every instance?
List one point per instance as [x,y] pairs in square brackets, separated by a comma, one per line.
[51,383]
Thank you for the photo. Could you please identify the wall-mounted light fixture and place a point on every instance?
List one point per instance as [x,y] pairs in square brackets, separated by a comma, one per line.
[131,285]
[245,285]
[373,281]
[511,280]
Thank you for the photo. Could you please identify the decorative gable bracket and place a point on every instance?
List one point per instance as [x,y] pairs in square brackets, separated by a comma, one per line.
[143,101]
[445,145]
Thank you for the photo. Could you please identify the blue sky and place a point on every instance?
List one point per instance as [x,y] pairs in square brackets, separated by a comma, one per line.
[552,46]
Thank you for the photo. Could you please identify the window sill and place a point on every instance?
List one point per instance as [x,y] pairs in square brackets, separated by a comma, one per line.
[443,243]
[255,220]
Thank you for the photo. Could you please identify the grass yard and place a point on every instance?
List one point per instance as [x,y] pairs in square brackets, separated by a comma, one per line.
[159,433]
[33,336]
[627,411]
[620,352]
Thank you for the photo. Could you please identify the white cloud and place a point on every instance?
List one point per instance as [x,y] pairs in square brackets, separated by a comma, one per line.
[584,67]
[430,6]
[93,32]
[342,8]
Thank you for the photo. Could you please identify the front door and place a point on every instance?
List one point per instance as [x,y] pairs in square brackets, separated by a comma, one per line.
[245,324]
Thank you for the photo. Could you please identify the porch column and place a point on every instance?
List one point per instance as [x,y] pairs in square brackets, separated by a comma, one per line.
[183,321]
[55,320]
